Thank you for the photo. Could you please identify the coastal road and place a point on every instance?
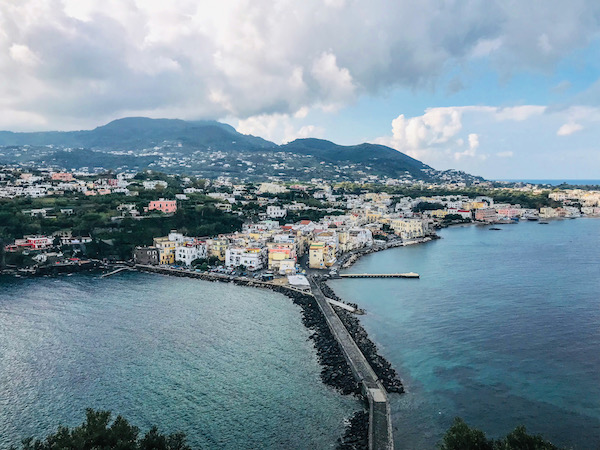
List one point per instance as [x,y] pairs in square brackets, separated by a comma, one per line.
[380,422]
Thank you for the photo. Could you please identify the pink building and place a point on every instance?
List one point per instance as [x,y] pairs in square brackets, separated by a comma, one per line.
[62,176]
[166,206]
[510,212]
[486,214]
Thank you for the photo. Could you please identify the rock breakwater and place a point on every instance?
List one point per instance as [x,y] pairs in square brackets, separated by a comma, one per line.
[384,370]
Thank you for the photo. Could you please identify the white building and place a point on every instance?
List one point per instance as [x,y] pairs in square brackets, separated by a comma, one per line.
[150,185]
[186,254]
[251,258]
[275,212]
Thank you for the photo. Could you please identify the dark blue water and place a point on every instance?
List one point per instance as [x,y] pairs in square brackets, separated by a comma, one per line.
[502,329]
[556,182]
[230,366]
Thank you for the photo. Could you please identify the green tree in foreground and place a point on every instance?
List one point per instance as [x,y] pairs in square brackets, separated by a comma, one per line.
[462,437]
[98,433]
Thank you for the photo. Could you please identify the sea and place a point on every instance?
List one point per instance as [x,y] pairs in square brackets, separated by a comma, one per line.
[231,366]
[502,329]
[556,182]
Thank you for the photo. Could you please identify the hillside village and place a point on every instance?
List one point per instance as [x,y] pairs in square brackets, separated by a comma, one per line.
[274,226]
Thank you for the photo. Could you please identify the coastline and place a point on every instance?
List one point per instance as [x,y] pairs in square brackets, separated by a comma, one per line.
[335,370]
[355,255]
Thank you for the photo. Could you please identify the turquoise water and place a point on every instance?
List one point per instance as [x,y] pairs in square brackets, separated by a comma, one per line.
[502,329]
[230,366]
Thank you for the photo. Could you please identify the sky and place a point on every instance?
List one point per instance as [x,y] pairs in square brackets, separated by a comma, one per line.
[502,89]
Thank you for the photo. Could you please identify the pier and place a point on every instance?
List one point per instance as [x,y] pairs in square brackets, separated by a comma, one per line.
[114,272]
[379,275]
[380,420]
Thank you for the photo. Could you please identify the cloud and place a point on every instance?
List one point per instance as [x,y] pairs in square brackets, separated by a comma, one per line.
[569,128]
[489,139]
[79,60]
[279,128]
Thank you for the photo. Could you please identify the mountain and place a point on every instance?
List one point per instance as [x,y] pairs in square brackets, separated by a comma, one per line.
[139,133]
[207,149]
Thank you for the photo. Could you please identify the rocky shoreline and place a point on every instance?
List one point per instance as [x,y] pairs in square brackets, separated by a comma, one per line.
[385,372]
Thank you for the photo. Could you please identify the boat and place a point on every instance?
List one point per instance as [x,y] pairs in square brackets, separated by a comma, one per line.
[495,229]
[543,223]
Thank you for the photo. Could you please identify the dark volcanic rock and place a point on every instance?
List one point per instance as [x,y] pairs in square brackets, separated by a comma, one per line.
[384,370]
[356,436]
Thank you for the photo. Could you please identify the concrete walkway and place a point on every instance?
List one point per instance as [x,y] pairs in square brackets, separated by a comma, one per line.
[380,421]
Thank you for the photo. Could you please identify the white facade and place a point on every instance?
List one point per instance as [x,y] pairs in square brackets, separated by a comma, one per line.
[275,212]
[252,259]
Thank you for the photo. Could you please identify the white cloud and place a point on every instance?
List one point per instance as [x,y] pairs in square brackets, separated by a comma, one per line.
[279,128]
[490,140]
[90,59]
[569,128]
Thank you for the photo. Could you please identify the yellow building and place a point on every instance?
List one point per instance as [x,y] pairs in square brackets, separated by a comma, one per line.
[373,216]
[316,255]
[217,248]
[441,213]
[474,205]
[166,250]
[409,228]
[282,257]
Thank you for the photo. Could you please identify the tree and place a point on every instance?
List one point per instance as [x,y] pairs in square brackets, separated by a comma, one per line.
[462,437]
[97,432]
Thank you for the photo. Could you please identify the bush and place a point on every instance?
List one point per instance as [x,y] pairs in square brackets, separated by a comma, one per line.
[97,432]
[462,437]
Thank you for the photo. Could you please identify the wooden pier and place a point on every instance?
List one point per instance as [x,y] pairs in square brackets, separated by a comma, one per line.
[379,275]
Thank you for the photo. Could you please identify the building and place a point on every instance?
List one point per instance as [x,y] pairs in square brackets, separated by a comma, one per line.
[166,250]
[153,184]
[276,212]
[486,215]
[30,243]
[321,255]
[251,258]
[62,176]
[217,248]
[146,255]
[190,251]
[409,228]
[166,206]
[282,257]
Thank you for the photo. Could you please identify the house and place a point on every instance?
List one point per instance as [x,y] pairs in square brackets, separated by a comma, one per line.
[146,255]
[166,250]
[486,215]
[188,252]
[251,258]
[321,255]
[282,257]
[62,176]
[409,228]
[276,212]
[30,243]
[166,206]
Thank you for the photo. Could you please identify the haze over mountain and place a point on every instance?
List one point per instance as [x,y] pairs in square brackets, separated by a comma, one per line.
[206,148]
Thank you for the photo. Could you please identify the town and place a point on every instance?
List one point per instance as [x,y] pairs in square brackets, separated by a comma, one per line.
[271,230]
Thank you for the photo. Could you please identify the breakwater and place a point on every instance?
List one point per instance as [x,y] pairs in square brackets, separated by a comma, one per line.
[335,371]
[384,370]
[344,365]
